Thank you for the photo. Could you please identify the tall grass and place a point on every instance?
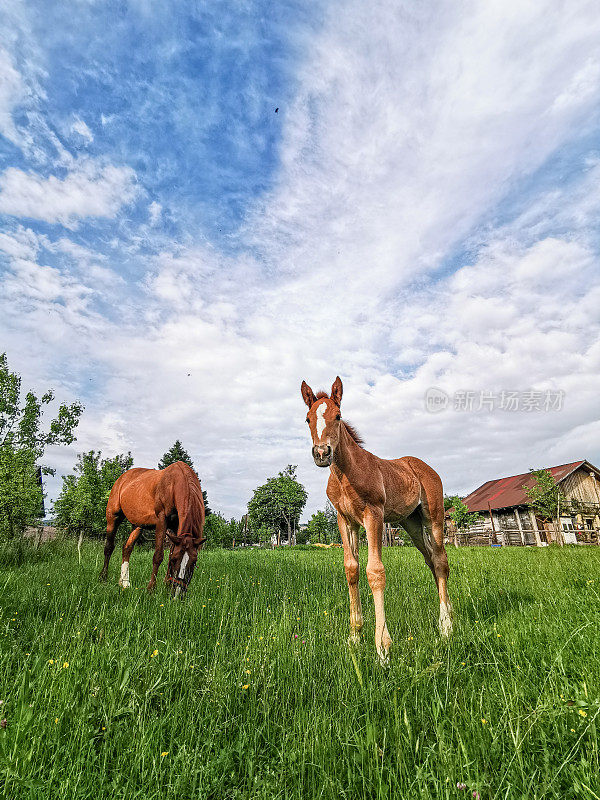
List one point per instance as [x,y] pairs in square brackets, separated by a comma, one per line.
[247,689]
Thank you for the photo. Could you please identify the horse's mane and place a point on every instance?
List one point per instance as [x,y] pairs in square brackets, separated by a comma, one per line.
[350,428]
[193,515]
[353,433]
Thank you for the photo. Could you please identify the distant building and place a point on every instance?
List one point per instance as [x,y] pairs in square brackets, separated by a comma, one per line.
[508,519]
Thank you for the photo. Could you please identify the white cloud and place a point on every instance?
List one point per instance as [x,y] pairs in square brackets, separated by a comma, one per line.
[82,129]
[12,93]
[87,190]
[154,212]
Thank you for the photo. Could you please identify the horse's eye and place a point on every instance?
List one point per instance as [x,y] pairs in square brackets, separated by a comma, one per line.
[307,419]
[339,416]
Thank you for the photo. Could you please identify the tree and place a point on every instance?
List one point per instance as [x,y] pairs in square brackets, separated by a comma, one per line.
[460,514]
[81,506]
[177,452]
[332,523]
[21,495]
[23,441]
[544,496]
[222,533]
[278,503]
[318,528]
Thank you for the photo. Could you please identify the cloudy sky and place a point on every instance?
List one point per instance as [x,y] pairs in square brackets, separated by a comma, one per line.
[421,211]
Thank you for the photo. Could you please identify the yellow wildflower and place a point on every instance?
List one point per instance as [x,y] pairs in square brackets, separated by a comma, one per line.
[56,721]
[51,661]
[483,721]
[246,686]
[65,665]
[164,753]
[582,713]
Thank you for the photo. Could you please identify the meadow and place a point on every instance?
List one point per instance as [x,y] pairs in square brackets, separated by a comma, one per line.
[248,689]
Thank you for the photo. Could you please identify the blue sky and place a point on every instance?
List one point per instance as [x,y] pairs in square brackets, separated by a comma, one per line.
[421,211]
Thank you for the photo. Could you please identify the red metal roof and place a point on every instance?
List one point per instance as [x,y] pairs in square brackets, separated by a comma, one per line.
[508,492]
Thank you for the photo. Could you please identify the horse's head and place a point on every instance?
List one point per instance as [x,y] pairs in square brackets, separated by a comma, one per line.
[324,421]
[182,561]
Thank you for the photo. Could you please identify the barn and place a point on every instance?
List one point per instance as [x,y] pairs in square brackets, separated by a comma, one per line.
[508,519]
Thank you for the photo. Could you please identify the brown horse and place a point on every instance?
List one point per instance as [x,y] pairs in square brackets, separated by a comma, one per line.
[167,500]
[367,490]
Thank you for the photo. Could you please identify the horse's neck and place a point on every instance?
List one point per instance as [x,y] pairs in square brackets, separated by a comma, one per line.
[346,456]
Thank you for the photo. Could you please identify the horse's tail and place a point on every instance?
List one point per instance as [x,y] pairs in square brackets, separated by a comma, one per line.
[187,494]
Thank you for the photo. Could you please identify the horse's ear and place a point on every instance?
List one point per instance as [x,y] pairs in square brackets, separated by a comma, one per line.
[173,537]
[307,394]
[336,391]
[199,541]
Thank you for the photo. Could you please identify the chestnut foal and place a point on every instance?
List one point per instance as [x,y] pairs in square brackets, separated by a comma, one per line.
[164,499]
[367,490]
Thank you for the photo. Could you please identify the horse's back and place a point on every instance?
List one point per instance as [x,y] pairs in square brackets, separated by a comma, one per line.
[136,491]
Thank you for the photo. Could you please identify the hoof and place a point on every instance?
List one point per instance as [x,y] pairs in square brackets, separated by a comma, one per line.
[354,639]
[124,584]
[384,658]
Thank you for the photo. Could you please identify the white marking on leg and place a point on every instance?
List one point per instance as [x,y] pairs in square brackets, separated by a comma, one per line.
[321,424]
[124,581]
[445,620]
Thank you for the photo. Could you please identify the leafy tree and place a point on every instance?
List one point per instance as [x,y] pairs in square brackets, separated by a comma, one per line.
[460,514]
[177,452]
[81,506]
[23,441]
[544,496]
[331,514]
[222,533]
[277,504]
[21,495]
[318,528]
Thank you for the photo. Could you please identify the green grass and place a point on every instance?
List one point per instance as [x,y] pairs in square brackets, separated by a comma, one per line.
[242,708]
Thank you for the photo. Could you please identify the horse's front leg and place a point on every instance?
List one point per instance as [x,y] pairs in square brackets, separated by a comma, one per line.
[373,521]
[159,542]
[349,534]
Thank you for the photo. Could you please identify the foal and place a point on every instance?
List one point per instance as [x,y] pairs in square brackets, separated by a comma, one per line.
[367,490]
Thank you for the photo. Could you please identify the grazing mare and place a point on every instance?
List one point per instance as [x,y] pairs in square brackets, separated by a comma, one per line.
[167,500]
[367,490]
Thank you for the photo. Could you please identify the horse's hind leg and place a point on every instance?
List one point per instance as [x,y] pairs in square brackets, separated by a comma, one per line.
[114,517]
[127,549]
[428,538]
[413,525]
[433,521]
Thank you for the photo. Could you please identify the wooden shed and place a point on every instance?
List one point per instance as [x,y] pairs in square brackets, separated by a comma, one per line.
[507,518]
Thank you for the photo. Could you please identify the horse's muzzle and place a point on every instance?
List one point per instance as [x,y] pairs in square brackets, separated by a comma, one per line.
[178,587]
[323,455]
